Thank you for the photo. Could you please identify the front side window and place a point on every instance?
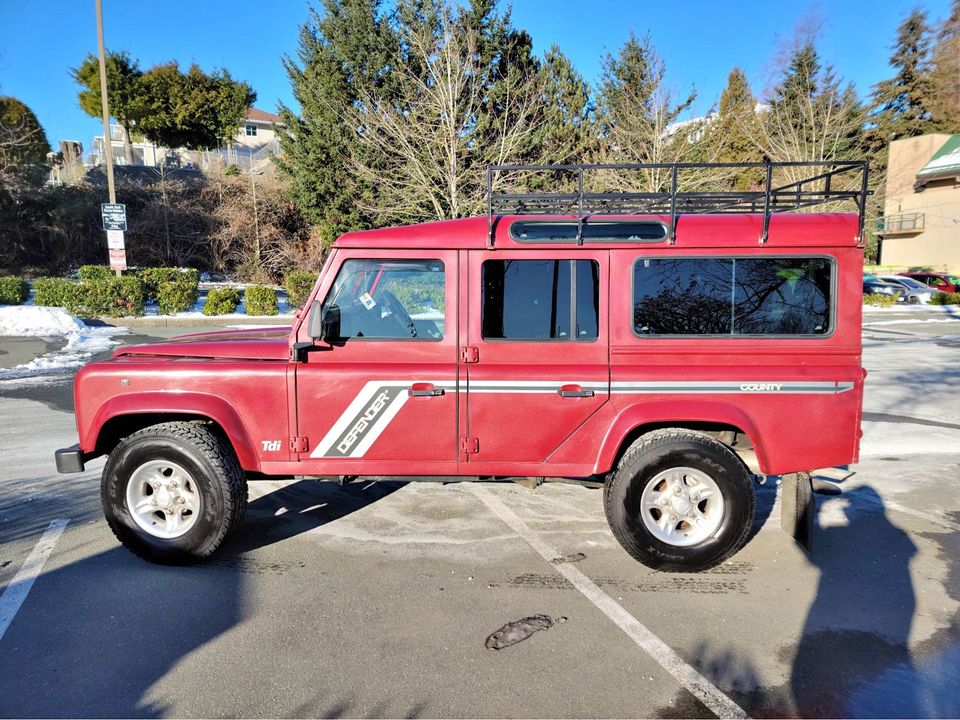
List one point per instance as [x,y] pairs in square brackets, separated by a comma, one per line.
[251,130]
[732,296]
[540,300]
[390,299]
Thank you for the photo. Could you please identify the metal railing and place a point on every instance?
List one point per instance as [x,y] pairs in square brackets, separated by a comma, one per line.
[821,183]
[907,222]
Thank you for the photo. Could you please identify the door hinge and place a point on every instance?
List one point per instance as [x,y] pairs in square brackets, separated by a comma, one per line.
[469,445]
[299,444]
[469,354]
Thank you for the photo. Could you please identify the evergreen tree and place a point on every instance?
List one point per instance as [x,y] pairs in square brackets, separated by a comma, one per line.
[733,130]
[944,85]
[565,131]
[23,143]
[123,88]
[637,113]
[899,104]
[347,46]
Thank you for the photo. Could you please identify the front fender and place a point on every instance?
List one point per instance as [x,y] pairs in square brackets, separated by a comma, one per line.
[668,413]
[202,405]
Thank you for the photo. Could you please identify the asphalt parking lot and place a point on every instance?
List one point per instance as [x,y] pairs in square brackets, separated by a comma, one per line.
[376,598]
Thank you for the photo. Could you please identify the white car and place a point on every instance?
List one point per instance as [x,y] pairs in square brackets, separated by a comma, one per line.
[915,291]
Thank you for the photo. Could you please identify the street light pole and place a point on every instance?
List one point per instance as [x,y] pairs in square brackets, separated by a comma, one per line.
[107,140]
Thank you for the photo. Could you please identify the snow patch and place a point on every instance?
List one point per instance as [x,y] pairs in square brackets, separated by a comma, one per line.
[82,341]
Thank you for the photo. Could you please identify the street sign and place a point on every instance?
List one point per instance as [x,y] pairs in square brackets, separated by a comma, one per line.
[118,259]
[115,239]
[114,216]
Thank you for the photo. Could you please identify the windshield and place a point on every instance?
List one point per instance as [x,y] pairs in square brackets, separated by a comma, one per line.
[907,282]
[870,278]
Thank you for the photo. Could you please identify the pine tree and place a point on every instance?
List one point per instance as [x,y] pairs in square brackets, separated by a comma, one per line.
[733,130]
[944,85]
[565,129]
[347,46]
[637,112]
[899,104]
[123,89]
[23,143]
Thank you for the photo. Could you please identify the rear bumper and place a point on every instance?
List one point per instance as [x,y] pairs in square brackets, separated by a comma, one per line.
[69,459]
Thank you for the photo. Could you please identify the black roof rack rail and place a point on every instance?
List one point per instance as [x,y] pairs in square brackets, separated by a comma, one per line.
[819,187]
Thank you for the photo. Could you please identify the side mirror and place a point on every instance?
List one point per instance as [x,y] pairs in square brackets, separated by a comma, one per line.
[324,324]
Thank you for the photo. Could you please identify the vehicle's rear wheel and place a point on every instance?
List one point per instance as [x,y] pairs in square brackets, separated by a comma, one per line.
[913,300]
[172,493]
[679,500]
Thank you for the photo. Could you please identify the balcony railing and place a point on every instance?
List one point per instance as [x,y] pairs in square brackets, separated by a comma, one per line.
[906,223]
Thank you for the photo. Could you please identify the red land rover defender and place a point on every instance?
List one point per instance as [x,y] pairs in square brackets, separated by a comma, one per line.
[672,344]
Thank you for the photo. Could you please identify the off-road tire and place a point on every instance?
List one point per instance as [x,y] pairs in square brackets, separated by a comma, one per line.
[673,447]
[210,460]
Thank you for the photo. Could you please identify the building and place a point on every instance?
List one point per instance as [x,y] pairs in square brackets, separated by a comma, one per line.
[252,147]
[921,222]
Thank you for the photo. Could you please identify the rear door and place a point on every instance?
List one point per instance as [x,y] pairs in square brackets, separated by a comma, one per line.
[383,397]
[537,353]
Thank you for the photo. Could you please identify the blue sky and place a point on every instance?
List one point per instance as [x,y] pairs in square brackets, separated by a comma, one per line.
[700,41]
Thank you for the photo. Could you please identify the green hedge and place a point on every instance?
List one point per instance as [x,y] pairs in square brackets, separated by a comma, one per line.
[116,297]
[13,290]
[95,272]
[299,285]
[153,277]
[878,300]
[945,298]
[177,295]
[51,291]
[260,300]
[221,301]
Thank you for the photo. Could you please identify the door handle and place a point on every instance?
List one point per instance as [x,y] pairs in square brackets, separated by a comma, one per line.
[574,391]
[424,390]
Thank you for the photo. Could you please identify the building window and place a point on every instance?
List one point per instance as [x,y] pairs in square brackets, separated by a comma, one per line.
[250,130]
[540,300]
[732,296]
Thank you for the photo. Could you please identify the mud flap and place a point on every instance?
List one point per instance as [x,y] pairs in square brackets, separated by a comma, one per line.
[797,508]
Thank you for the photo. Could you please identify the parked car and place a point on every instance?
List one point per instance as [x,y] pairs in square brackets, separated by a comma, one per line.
[873,285]
[671,354]
[945,282]
[916,292]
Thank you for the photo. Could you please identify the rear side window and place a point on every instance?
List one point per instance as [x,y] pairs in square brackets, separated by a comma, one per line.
[540,300]
[732,296]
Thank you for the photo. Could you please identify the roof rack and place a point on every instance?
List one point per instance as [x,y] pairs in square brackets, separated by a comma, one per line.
[821,186]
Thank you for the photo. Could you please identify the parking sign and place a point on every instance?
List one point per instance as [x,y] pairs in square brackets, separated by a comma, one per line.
[114,216]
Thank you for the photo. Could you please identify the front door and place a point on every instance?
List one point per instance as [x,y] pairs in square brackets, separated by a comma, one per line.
[383,398]
[537,323]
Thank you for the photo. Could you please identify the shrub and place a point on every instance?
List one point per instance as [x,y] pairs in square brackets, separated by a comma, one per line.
[221,301]
[260,300]
[879,300]
[95,272]
[299,285]
[115,297]
[51,292]
[177,295]
[13,290]
[945,298]
[153,277]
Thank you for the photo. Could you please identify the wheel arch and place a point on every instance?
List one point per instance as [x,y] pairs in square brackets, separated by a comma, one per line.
[120,416]
[710,418]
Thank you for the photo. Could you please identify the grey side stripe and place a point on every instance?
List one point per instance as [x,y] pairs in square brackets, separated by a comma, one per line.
[726,387]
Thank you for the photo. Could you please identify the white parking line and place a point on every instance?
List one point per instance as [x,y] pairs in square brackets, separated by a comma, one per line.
[17,590]
[705,691]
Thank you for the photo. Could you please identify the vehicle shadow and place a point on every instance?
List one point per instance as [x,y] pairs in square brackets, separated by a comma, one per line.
[98,633]
[300,507]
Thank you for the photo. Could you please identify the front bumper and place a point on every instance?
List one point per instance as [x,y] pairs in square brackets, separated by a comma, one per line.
[69,459]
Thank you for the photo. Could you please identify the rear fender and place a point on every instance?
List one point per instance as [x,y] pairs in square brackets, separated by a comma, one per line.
[200,405]
[673,413]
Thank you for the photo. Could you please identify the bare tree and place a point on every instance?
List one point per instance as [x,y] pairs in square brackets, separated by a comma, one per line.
[420,146]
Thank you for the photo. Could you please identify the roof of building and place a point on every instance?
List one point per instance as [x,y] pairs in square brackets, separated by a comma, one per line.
[945,162]
[263,116]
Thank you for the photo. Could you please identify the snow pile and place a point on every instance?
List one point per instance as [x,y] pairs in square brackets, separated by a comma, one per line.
[82,341]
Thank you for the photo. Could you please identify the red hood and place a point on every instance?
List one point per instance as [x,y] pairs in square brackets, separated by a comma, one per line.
[253,344]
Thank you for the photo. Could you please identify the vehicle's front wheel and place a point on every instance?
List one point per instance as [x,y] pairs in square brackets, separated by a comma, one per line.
[172,493]
[680,500]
